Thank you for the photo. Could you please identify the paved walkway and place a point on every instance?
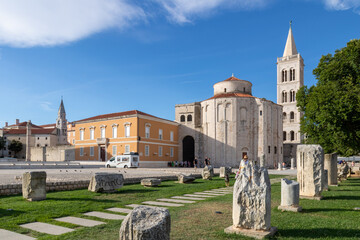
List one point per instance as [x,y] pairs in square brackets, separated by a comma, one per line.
[175,201]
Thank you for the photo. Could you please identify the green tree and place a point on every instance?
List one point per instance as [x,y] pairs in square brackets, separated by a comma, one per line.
[332,107]
[2,145]
[15,146]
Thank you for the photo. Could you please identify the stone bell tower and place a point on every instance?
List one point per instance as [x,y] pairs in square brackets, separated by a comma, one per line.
[290,78]
[61,125]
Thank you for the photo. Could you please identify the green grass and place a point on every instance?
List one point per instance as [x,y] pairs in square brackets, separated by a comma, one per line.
[330,218]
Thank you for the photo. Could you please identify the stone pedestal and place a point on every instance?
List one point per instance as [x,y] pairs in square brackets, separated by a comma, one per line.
[34,186]
[330,164]
[289,196]
[185,179]
[106,182]
[146,223]
[224,171]
[310,170]
[206,173]
[150,182]
[279,166]
[251,233]
[252,202]
[293,163]
[262,160]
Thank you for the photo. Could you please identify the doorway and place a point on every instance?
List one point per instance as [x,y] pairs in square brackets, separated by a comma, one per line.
[188,149]
[102,154]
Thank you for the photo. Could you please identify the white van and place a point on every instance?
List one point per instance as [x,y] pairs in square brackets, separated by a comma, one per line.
[124,161]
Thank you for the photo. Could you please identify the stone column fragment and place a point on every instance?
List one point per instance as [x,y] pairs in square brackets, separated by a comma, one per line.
[330,163]
[34,186]
[289,196]
[293,163]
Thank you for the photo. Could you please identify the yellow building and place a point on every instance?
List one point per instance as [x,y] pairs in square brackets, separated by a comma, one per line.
[101,137]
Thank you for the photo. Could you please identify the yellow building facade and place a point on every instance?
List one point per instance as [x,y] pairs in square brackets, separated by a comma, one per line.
[101,137]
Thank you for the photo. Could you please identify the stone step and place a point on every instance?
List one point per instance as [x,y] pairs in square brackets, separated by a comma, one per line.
[209,194]
[80,221]
[198,195]
[137,205]
[103,215]
[187,198]
[163,204]
[174,200]
[119,210]
[8,235]
[46,228]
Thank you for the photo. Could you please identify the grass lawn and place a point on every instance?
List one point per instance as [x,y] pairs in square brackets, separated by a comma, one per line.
[332,217]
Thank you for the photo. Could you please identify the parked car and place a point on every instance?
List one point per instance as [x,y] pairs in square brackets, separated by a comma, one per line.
[124,161]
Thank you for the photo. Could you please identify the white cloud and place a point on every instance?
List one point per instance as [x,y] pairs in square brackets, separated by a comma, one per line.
[46,106]
[183,11]
[26,23]
[342,4]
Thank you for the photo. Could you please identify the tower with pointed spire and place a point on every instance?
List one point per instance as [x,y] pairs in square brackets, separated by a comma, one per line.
[61,125]
[290,77]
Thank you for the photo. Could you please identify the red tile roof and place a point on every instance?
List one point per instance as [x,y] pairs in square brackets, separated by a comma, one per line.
[48,125]
[119,114]
[233,79]
[225,95]
[23,124]
[33,131]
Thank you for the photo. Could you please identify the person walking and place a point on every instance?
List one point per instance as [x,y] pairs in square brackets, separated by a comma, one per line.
[195,163]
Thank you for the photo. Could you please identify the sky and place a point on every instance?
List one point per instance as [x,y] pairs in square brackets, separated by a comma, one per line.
[118,55]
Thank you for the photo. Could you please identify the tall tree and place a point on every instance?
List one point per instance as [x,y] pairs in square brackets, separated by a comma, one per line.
[15,146]
[332,107]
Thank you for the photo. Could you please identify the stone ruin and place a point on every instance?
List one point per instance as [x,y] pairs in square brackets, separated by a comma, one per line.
[343,172]
[146,223]
[225,171]
[330,164]
[310,171]
[206,173]
[150,182]
[252,203]
[106,182]
[289,196]
[34,186]
[185,178]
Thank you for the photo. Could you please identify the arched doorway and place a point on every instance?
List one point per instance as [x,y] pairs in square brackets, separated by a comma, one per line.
[188,149]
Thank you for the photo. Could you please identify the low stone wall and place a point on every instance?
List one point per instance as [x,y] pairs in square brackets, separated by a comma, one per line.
[16,188]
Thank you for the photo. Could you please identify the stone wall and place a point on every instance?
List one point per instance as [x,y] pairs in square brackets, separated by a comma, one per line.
[50,154]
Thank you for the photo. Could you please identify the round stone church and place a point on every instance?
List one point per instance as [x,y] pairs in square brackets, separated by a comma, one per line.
[229,125]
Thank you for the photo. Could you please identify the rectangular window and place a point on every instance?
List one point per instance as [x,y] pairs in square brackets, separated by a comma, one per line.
[275,150]
[147,132]
[160,134]
[114,132]
[171,152]
[73,141]
[102,133]
[74,133]
[127,148]
[171,136]
[92,134]
[269,149]
[160,151]
[114,150]
[81,151]
[127,131]
[147,150]
[81,134]
[91,151]
[260,113]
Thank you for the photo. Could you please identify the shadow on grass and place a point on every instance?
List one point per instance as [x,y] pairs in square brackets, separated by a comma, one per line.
[132,191]
[342,198]
[326,210]
[82,199]
[9,212]
[320,233]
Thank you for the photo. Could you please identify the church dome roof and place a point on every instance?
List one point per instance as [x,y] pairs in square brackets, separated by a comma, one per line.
[232,86]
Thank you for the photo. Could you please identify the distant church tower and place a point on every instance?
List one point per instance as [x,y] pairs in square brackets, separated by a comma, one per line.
[61,125]
[290,77]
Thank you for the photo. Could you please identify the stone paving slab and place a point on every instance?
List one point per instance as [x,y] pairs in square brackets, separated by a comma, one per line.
[119,210]
[187,198]
[103,215]
[47,228]
[174,200]
[163,204]
[211,194]
[198,195]
[8,235]
[80,221]
[217,192]
[137,205]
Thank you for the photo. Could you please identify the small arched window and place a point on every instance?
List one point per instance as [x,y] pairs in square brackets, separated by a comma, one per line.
[284,115]
[284,135]
[284,76]
[189,118]
[292,74]
[284,97]
[292,116]
[292,96]
[224,89]
[182,118]
[292,136]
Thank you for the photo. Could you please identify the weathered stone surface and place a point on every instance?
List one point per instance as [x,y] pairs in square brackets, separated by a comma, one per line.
[34,186]
[105,215]
[325,180]
[146,223]
[150,182]
[8,235]
[106,182]
[310,170]
[343,171]
[293,163]
[279,166]
[251,233]
[330,164]
[80,221]
[206,173]
[47,228]
[262,160]
[289,195]
[185,178]
[252,198]
[225,171]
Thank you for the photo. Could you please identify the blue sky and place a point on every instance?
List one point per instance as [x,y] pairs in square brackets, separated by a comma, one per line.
[118,55]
